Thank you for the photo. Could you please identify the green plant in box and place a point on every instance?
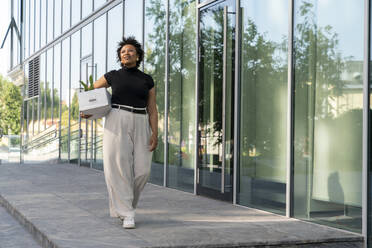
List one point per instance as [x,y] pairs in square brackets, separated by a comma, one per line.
[89,85]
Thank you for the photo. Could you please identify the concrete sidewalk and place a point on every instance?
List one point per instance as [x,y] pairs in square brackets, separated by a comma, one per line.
[67,206]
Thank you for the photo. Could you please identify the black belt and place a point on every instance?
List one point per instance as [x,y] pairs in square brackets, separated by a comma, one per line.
[136,111]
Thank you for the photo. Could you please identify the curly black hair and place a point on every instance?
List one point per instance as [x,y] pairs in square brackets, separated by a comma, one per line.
[130,41]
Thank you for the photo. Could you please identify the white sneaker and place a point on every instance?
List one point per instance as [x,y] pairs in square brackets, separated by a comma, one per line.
[128,223]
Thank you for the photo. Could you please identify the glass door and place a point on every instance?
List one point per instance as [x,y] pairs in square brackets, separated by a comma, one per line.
[216,100]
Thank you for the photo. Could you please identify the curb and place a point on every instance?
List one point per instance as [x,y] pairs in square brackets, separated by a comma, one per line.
[38,235]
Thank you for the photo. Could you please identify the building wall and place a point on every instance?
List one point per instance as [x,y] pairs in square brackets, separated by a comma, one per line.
[76,39]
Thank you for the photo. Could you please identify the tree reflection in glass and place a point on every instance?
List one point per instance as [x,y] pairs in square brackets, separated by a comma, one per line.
[328,112]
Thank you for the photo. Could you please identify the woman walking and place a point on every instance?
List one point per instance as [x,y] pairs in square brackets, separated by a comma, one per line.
[130,133]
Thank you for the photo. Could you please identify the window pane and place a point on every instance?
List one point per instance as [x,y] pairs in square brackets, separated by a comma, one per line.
[133,11]
[32,26]
[328,112]
[100,46]
[26,37]
[181,121]
[75,86]
[66,15]
[114,35]
[65,85]
[75,9]
[56,84]
[86,40]
[99,63]
[57,17]
[98,3]
[155,66]
[87,6]
[48,87]
[37,25]
[43,23]
[263,98]
[42,92]
[50,18]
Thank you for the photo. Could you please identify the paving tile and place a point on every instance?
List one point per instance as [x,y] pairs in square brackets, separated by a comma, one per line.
[12,234]
[69,205]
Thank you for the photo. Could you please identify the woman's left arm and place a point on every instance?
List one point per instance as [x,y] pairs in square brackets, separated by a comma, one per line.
[153,115]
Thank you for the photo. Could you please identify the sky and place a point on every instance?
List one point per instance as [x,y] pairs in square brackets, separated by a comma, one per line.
[4,23]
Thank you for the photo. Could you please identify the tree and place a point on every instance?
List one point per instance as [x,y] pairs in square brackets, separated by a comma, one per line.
[10,107]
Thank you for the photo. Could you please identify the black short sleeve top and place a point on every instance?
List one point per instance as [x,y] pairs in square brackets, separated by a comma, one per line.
[130,86]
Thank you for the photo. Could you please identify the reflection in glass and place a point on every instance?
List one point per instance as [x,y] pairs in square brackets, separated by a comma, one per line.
[181,94]
[99,68]
[155,66]
[215,103]
[25,108]
[133,11]
[56,84]
[263,105]
[75,86]
[328,112]
[114,35]
[35,120]
[42,92]
[48,88]
[86,140]
[65,85]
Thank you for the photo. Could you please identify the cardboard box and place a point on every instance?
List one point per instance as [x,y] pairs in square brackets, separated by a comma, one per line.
[95,102]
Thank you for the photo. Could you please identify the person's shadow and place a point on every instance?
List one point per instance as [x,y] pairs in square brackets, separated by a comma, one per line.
[335,191]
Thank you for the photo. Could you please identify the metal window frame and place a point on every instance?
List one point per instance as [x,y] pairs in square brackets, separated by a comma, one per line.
[290,114]
[237,85]
[45,86]
[196,152]
[197,113]
[366,183]
[103,9]
[166,98]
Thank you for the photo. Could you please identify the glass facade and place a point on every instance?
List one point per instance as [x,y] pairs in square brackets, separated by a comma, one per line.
[74,90]
[154,61]
[328,113]
[235,118]
[65,96]
[66,15]
[57,18]
[263,105]
[133,10]
[114,34]
[181,95]
[99,67]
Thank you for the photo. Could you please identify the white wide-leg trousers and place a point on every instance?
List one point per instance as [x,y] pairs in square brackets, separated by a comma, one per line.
[126,159]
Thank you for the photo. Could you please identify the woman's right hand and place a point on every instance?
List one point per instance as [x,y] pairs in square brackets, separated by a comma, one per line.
[84,116]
